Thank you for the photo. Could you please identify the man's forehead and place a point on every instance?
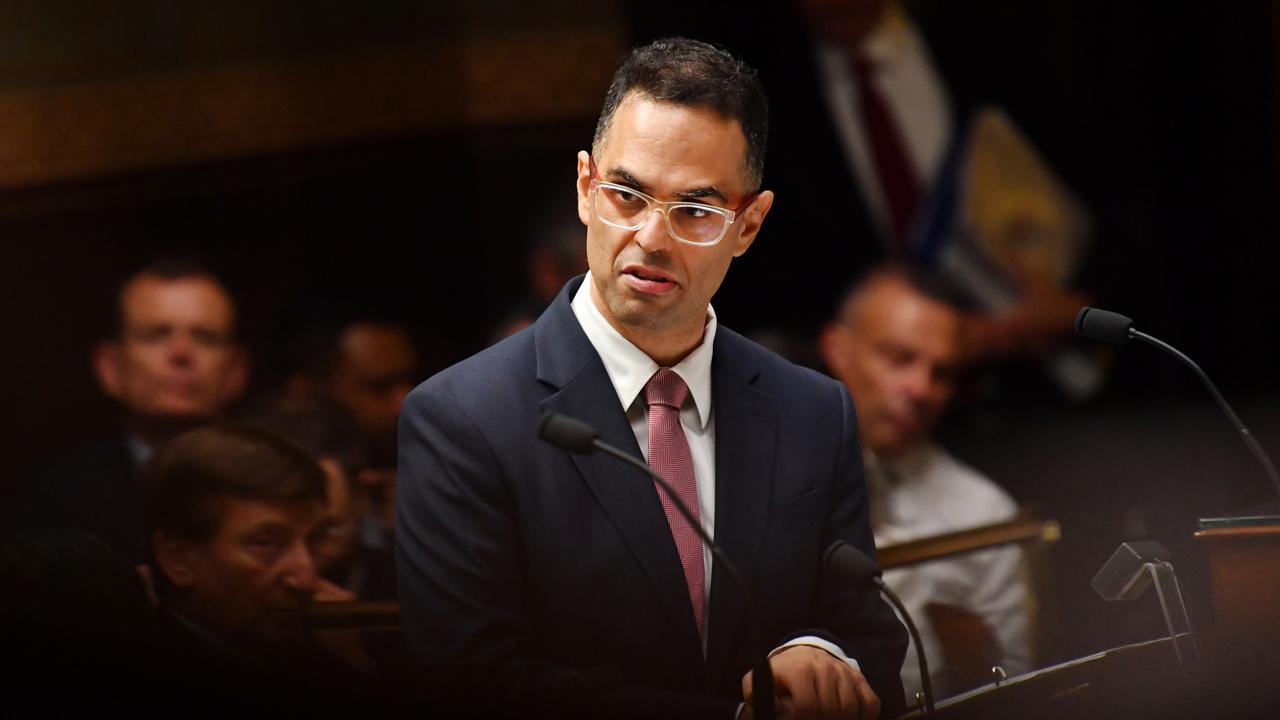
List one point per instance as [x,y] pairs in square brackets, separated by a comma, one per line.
[238,515]
[697,146]
[891,305]
[149,295]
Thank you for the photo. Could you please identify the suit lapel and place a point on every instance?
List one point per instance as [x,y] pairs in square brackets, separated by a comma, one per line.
[567,361]
[746,439]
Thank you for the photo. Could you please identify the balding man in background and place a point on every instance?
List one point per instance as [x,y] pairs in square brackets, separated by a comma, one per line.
[898,344]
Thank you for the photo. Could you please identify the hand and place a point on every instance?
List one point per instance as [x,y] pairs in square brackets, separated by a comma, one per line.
[327,591]
[811,684]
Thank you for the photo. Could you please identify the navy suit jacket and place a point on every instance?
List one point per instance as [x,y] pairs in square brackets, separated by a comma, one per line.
[551,580]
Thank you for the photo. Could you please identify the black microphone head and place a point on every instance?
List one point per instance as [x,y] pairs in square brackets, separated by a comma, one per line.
[849,563]
[567,433]
[1104,325]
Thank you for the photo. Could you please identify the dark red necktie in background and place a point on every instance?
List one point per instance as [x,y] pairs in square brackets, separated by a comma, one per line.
[897,176]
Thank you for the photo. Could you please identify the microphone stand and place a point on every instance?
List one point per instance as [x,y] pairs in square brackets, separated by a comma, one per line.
[1254,447]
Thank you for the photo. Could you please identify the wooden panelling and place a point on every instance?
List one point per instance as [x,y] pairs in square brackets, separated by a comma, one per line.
[73,132]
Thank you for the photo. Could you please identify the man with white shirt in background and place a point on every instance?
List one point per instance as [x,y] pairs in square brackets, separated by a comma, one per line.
[897,344]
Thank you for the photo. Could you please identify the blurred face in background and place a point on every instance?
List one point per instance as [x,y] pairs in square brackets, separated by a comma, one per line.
[374,372]
[336,545]
[254,577]
[175,356]
[899,352]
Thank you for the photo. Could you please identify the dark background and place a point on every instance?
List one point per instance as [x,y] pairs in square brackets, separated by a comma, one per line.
[403,164]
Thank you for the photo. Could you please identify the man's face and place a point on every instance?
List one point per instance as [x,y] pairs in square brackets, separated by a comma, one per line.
[254,578]
[375,371]
[899,354]
[644,281]
[175,357]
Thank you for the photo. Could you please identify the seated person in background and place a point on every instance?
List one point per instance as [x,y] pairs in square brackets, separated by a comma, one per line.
[342,556]
[363,366]
[234,516]
[172,365]
[897,344]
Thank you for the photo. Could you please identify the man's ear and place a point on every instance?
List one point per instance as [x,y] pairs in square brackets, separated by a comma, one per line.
[833,344]
[106,363]
[751,220]
[176,558]
[584,187]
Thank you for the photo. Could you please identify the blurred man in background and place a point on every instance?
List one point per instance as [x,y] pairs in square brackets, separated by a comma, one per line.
[360,367]
[235,517]
[898,344]
[172,364]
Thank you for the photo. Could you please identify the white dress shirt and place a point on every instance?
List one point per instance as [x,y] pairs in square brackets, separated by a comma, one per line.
[629,369]
[916,97]
[928,492]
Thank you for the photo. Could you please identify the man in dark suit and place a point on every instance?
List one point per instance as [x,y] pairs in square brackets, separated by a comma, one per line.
[172,364]
[554,583]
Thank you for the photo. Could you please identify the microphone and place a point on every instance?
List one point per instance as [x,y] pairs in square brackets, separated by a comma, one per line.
[852,566]
[1107,326]
[580,438]
[1103,325]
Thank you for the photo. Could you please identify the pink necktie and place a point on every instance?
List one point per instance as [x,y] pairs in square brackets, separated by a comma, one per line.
[669,456]
[888,150]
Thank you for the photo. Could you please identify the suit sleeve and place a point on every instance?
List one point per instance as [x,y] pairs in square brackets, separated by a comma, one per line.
[462,588]
[862,623]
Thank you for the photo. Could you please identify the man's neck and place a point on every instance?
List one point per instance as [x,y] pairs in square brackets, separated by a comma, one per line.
[666,347]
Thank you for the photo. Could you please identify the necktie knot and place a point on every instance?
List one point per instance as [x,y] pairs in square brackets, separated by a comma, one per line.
[666,387]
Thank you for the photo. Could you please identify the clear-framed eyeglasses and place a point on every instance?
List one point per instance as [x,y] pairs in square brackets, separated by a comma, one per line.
[691,223]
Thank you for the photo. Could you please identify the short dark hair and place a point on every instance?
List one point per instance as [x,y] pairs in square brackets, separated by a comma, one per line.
[696,74]
[195,469]
[924,281]
[167,267]
[316,426]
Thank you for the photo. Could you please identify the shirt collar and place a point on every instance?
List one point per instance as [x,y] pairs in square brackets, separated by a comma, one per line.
[904,465]
[139,450]
[630,368]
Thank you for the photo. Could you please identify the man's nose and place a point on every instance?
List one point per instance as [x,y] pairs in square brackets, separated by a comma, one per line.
[918,382]
[181,349]
[655,234]
[301,574]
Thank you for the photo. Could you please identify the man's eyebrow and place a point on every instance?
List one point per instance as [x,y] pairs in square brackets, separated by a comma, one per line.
[627,179]
[269,526]
[710,191]
[630,180]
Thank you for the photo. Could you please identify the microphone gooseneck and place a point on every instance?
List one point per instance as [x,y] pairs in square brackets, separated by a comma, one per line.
[1107,326]
[855,567]
[580,438]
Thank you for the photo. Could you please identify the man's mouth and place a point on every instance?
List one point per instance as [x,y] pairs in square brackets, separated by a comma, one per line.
[648,280]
